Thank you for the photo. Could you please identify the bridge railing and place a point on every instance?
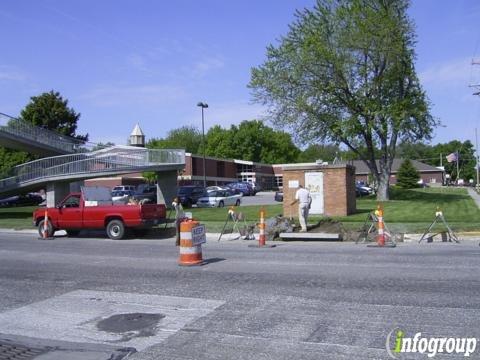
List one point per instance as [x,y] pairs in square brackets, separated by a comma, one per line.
[24,129]
[106,160]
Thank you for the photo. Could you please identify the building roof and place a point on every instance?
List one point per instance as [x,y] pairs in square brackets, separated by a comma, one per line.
[137,131]
[361,168]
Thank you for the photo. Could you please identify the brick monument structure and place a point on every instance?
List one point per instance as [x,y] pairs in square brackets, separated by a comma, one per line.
[332,188]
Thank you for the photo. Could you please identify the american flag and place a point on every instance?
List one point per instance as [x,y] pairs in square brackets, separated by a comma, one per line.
[452,157]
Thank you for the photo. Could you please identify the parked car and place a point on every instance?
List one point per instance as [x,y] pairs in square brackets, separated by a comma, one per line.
[245,188]
[74,213]
[189,194]
[146,192]
[215,187]
[256,187]
[122,196]
[361,191]
[219,198]
[278,196]
[22,200]
[124,188]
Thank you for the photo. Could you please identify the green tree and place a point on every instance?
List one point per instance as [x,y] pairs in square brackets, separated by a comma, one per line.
[345,73]
[219,142]
[50,111]
[466,159]
[418,151]
[407,175]
[185,137]
[326,152]
[253,141]
[10,158]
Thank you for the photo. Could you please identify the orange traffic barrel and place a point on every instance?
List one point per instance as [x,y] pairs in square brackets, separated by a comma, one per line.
[381,227]
[190,254]
[262,225]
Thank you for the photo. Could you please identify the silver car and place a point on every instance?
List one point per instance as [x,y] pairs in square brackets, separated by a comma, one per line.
[219,198]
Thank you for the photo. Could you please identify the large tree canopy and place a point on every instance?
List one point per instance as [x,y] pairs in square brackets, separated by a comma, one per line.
[345,73]
[50,111]
[253,141]
[185,137]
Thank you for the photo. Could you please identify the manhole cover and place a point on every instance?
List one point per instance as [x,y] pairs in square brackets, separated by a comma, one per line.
[122,323]
[11,351]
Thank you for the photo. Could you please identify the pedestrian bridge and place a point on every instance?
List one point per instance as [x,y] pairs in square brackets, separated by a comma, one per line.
[21,135]
[110,161]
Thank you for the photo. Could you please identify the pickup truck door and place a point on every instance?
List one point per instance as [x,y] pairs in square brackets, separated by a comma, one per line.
[70,213]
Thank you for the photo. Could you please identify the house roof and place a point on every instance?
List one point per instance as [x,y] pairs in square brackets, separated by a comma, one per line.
[361,168]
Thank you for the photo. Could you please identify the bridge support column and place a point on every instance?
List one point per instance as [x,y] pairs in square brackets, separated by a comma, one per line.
[56,191]
[166,187]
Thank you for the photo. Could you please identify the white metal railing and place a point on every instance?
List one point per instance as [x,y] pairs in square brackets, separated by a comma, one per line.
[29,132]
[111,160]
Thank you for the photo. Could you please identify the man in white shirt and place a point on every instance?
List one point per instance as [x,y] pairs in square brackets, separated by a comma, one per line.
[302,196]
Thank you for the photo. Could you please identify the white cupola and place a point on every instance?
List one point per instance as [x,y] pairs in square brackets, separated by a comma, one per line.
[137,138]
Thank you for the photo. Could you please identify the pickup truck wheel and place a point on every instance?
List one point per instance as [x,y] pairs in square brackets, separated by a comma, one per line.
[115,229]
[50,230]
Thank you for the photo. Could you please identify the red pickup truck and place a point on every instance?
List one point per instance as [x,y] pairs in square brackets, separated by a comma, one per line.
[73,215]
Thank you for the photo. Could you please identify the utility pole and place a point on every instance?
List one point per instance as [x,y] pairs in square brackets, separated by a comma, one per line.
[476,86]
[477,93]
[476,156]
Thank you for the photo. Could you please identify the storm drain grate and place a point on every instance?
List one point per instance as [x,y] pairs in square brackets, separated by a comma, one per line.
[11,351]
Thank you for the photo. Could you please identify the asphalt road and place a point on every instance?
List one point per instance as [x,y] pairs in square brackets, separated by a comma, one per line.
[294,301]
[262,198]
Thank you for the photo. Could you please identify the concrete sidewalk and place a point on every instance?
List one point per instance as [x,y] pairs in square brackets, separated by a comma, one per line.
[475,196]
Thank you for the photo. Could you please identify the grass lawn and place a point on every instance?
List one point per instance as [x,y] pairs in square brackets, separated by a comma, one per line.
[414,210]
[407,211]
[16,217]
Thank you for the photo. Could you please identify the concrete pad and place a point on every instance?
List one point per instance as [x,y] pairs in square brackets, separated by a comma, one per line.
[74,317]
[310,236]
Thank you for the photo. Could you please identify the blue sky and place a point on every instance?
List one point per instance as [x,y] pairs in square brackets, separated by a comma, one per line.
[122,62]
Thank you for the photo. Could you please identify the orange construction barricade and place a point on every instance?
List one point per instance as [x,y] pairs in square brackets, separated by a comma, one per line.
[192,235]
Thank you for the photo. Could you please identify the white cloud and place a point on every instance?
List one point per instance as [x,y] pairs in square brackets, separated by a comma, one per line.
[226,114]
[454,72]
[10,73]
[110,95]
[201,68]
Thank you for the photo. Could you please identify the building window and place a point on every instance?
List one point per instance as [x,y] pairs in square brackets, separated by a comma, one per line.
[244,168]
[279,181]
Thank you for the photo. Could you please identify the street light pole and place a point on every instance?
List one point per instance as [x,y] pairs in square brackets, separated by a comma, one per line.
[203,106]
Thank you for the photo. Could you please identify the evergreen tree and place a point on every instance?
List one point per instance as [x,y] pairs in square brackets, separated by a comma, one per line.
[407,176]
